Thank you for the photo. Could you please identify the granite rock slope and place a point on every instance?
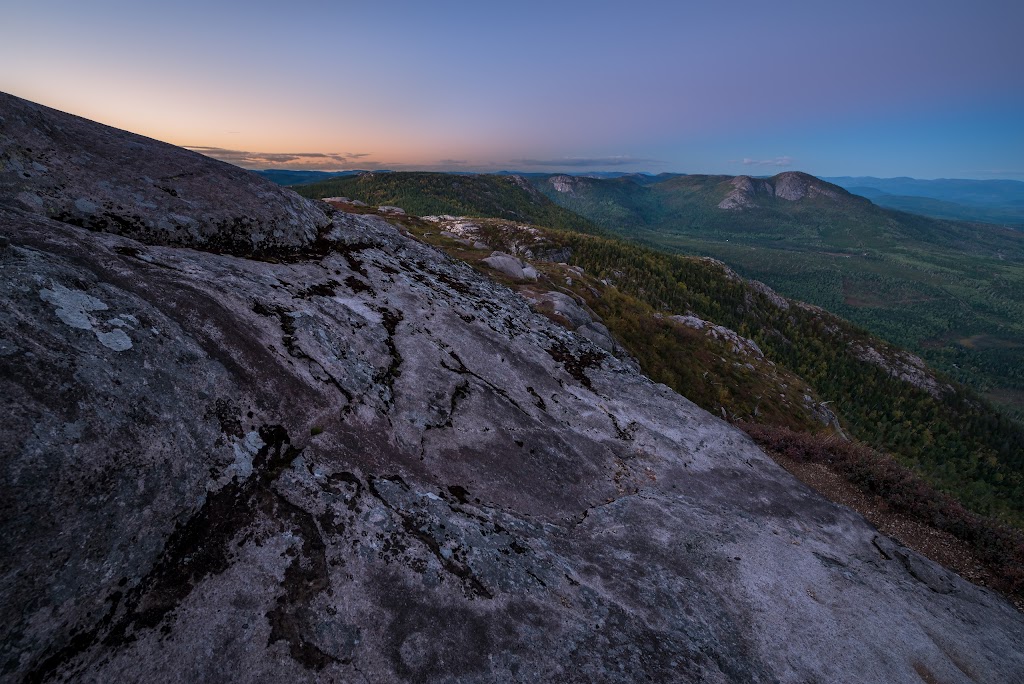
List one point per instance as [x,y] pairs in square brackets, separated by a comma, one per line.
[80,172]
[368,462]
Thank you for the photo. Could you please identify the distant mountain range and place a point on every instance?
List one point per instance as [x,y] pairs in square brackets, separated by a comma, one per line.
[988,201]
[288,177]
[991,201]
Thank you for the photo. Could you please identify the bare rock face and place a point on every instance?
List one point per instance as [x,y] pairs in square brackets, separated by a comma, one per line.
[774,297]
[791,186]
[906,366]
[740,345]
[372,463]
[79,172]
[563,184]
[744,193]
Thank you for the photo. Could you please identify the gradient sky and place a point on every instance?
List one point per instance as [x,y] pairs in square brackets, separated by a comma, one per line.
[927,88]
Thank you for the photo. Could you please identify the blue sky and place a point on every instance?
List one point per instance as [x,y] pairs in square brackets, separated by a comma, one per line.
[925,89]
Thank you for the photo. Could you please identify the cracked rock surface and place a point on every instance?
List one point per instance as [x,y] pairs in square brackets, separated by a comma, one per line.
[374,464]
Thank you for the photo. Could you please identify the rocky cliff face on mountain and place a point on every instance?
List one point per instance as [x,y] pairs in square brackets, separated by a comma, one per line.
[790,186]
[355,459]
[564,184]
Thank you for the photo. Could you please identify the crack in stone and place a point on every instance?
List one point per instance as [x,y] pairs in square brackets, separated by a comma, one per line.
[413,528]
[622,434]
[464,370]
[290,342]
[588,510]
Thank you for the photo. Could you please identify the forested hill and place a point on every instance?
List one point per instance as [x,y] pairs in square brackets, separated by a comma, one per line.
[992,201]
[509,197]
[793,210]
[949,290]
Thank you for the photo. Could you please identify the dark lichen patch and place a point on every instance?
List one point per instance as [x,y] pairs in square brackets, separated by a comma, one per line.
[456,285]
[226,412]
[537,399]
[576,365]
[288,328]
[325,289]
[460,493]
[109,221]
[348,486]
[348,251]
[277,253]
[262,309]
[427,275]
[125,250]
[390,319]
[197,548]
[306,577]
[358,286]
[287,323]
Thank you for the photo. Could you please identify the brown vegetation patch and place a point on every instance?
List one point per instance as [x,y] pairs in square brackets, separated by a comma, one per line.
[983,342]
[854,296]
[1007,397]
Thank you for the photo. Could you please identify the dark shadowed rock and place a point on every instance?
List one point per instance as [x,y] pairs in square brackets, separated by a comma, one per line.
[376,464]
[79,172]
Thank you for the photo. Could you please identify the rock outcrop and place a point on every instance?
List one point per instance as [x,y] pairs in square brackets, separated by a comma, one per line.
[511,266]
[790,186]
[573,316]
[564,184]
[368,462]
[79,172]
[739,345]
[903,365]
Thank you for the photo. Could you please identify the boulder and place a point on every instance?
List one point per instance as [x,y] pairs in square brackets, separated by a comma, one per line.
[511,266]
